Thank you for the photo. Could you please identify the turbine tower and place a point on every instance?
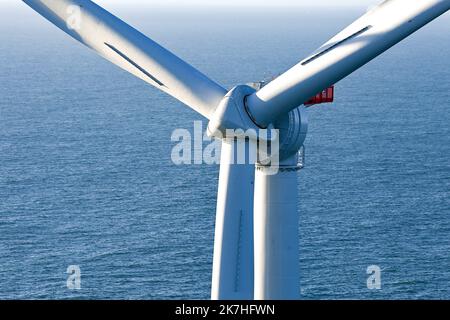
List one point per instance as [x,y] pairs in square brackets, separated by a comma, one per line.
[256,238]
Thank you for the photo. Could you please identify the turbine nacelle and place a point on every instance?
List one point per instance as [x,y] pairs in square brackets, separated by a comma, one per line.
[283,138]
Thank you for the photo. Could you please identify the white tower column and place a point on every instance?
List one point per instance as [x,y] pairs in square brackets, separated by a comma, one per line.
[276,223]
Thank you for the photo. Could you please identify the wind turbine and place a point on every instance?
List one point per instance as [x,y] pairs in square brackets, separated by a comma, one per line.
[256,238]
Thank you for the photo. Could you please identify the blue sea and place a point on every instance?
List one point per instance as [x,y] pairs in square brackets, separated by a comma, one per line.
[86,176]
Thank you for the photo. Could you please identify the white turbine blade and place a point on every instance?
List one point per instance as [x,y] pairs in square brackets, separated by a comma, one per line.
[365,39]
[233,274]
[132,51]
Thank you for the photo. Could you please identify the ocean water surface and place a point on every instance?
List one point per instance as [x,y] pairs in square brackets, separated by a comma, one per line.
[86,176]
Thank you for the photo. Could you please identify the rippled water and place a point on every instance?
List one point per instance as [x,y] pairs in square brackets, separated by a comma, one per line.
[86,177]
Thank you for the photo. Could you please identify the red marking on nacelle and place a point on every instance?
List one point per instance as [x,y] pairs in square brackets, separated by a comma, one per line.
[326,96]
